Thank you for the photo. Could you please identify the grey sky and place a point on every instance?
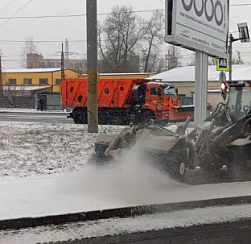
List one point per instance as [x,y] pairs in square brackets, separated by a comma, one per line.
[74,28]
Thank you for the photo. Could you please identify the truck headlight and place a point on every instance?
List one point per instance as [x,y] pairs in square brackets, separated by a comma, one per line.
[159,106]
[223,86]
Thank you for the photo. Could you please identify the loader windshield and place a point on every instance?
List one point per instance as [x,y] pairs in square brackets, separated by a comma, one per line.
[239,102]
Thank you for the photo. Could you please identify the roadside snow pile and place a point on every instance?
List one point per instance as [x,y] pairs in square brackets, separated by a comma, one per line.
[30,149]
[112,227]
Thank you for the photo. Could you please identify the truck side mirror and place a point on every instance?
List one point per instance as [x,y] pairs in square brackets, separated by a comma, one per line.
[177,91]
[159,92]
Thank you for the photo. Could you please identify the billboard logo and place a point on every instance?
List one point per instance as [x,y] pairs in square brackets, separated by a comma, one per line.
[216,11]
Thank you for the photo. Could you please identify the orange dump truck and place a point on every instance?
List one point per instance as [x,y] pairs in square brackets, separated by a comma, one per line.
[126,100]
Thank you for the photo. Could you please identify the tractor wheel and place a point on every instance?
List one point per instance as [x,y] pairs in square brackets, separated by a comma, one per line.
[236,170]
[211,167]
[236,164]
[212,164]
[79,116]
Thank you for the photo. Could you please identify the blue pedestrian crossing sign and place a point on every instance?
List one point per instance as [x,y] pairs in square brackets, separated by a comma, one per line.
[222,64]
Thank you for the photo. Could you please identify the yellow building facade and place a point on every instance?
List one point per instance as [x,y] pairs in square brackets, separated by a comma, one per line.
[119,76]
[47,78]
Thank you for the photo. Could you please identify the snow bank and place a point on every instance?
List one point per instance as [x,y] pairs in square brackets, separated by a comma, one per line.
[115,226]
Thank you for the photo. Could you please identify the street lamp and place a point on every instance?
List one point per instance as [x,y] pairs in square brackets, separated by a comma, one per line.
[243,37]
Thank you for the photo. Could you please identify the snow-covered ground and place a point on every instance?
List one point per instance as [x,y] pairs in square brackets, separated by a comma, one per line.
[36,149]
[28,110]
[115,226]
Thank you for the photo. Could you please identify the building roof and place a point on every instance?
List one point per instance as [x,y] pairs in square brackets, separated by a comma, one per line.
[187,74]
[104,74]
[44,70]
[24,88]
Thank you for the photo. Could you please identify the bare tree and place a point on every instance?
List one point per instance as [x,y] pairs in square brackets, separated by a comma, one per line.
[173,57]
[154,28]
[28,48]
[119,35]
[211,60]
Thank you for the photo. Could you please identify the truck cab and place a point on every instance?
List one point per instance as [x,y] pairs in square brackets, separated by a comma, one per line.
[159,97]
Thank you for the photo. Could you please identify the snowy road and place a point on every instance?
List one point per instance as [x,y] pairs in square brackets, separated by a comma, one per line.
[38,117]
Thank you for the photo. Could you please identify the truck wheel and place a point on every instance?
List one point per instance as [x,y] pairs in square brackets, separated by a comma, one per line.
[79,116]
[162,123]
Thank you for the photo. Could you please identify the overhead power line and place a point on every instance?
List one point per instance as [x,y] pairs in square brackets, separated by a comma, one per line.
[7,5]
[19,10]
[39,41]
[100,14]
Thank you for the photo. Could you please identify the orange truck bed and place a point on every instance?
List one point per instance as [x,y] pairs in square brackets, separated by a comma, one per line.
[111,93]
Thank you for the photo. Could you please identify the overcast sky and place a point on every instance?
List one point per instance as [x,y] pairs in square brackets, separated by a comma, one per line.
[58,29]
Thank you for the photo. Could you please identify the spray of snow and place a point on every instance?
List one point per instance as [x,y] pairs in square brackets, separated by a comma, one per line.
[132,179]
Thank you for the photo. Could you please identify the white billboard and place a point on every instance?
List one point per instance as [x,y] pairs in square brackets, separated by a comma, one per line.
[198,25]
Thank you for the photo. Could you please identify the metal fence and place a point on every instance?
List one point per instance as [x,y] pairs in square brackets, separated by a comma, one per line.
[17,102]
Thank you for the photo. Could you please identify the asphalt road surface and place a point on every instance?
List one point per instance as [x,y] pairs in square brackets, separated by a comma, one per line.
[227,233]
[36,117]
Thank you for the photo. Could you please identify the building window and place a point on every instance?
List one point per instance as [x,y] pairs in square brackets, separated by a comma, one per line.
[58,82]
[12,82]
[27,82]
[43,81]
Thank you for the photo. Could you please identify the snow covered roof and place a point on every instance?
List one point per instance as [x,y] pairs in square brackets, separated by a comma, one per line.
[24,88]
[44,70]
[107,74]
[187,74]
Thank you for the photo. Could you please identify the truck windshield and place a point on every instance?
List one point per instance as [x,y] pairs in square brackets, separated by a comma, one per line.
[239,102]
[170,92]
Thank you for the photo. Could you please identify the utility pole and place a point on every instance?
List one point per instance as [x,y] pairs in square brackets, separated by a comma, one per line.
[169,60]
[1,78]
[92,60]
[62,63]
[67,53]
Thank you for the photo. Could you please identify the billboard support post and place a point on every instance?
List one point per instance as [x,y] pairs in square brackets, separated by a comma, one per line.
[230,57]
[201,80]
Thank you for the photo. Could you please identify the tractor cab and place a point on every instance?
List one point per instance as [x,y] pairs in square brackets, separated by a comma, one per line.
[239,99]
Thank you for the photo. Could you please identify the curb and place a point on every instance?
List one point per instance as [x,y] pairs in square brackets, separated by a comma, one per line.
[119,213]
